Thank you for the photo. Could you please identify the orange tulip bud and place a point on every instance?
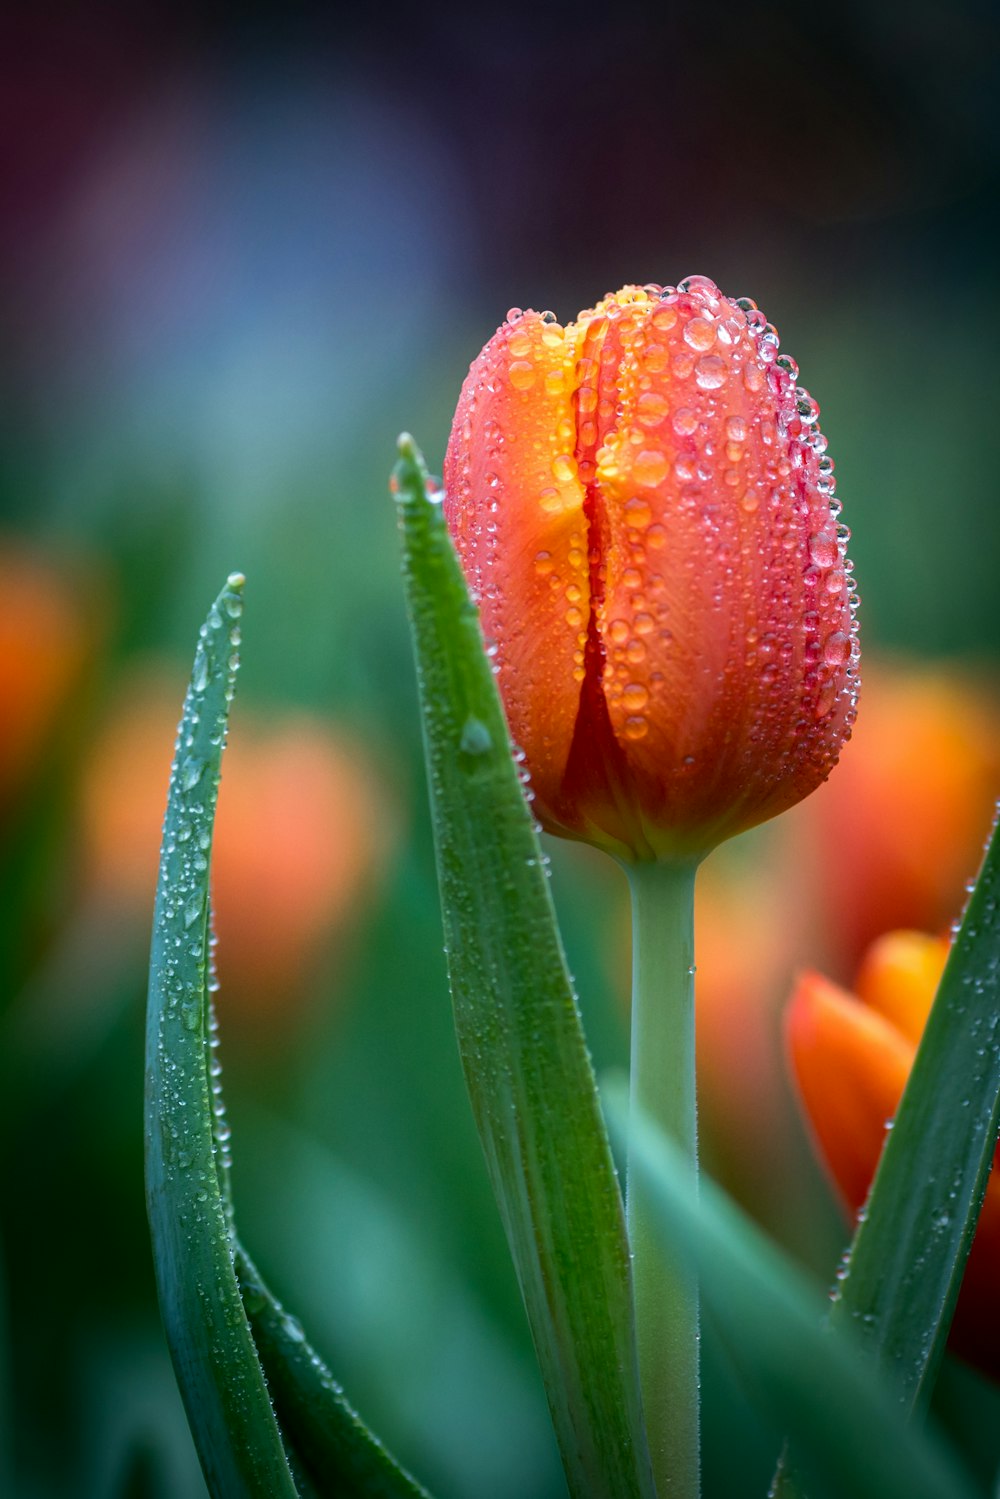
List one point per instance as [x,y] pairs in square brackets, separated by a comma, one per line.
[643,506]
[851,1056]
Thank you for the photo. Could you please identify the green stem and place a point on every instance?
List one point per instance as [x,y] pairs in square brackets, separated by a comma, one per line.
[663,1089]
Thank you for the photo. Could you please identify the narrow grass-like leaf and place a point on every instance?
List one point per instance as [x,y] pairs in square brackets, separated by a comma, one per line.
[519,1031]
[850,1436]
[218,1371]
[906,1262]
[338,1451]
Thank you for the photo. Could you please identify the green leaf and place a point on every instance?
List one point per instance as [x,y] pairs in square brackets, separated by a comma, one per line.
[340,1453]
[526,1064]
[848,1433]
[906,1262]
[216,1363]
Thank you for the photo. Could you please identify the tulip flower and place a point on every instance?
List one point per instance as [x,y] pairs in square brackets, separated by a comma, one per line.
[644,507]
[851,1055]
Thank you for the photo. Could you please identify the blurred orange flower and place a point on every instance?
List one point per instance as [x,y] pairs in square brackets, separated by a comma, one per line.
[304,827]
[851,1055]
[887,842]
[49,626]
[900,827]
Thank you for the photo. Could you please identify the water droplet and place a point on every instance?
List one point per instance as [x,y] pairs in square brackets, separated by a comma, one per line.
[649,468]
[637,514]
[837,648]
[699,334]
[522,374]
[191,773]
[822,549]
[199,679]
[564,468]
[651,408]
[476,738]
[635,697]
[710,372]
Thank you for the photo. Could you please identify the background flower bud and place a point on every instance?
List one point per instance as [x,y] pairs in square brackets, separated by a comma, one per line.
[643,504]
[851,1055]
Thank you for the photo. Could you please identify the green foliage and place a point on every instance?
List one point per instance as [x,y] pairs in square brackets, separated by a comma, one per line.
[335,1446]
[219,1375]
[849,1434]
[521,1041]
[210,1293]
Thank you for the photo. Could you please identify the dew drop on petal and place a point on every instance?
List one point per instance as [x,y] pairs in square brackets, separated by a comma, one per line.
[650,408]
[649,468]
[822,549]
[837,648]
[699,334]
[637,514]
[710,372]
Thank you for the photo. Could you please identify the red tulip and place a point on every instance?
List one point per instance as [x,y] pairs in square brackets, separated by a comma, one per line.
[644,509]
[851,1055]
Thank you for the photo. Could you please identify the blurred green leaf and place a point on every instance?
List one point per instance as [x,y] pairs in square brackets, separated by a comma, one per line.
[332,1440]
[905,1266]
[220,1377]
[850,1436]
[519,1031]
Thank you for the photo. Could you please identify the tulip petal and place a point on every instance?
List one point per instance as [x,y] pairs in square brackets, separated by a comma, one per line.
[899,976]
[851,1066]
[514,503]
[908,1255]
[726,613]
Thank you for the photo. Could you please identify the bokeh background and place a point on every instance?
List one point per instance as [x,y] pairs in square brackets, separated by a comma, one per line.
[241,248]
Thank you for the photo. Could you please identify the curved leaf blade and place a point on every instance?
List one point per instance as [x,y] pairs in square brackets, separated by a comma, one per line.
[904,1270]
[216,1363]
[521,1040]
[848,1432]
[335,1445]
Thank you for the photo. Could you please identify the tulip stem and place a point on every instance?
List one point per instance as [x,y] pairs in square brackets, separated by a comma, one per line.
[663,1090]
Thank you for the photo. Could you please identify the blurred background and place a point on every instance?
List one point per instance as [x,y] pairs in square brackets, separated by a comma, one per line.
[241,248]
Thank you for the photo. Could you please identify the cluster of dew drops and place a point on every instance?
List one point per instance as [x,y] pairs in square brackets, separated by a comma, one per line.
[831,661]
[184,865]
